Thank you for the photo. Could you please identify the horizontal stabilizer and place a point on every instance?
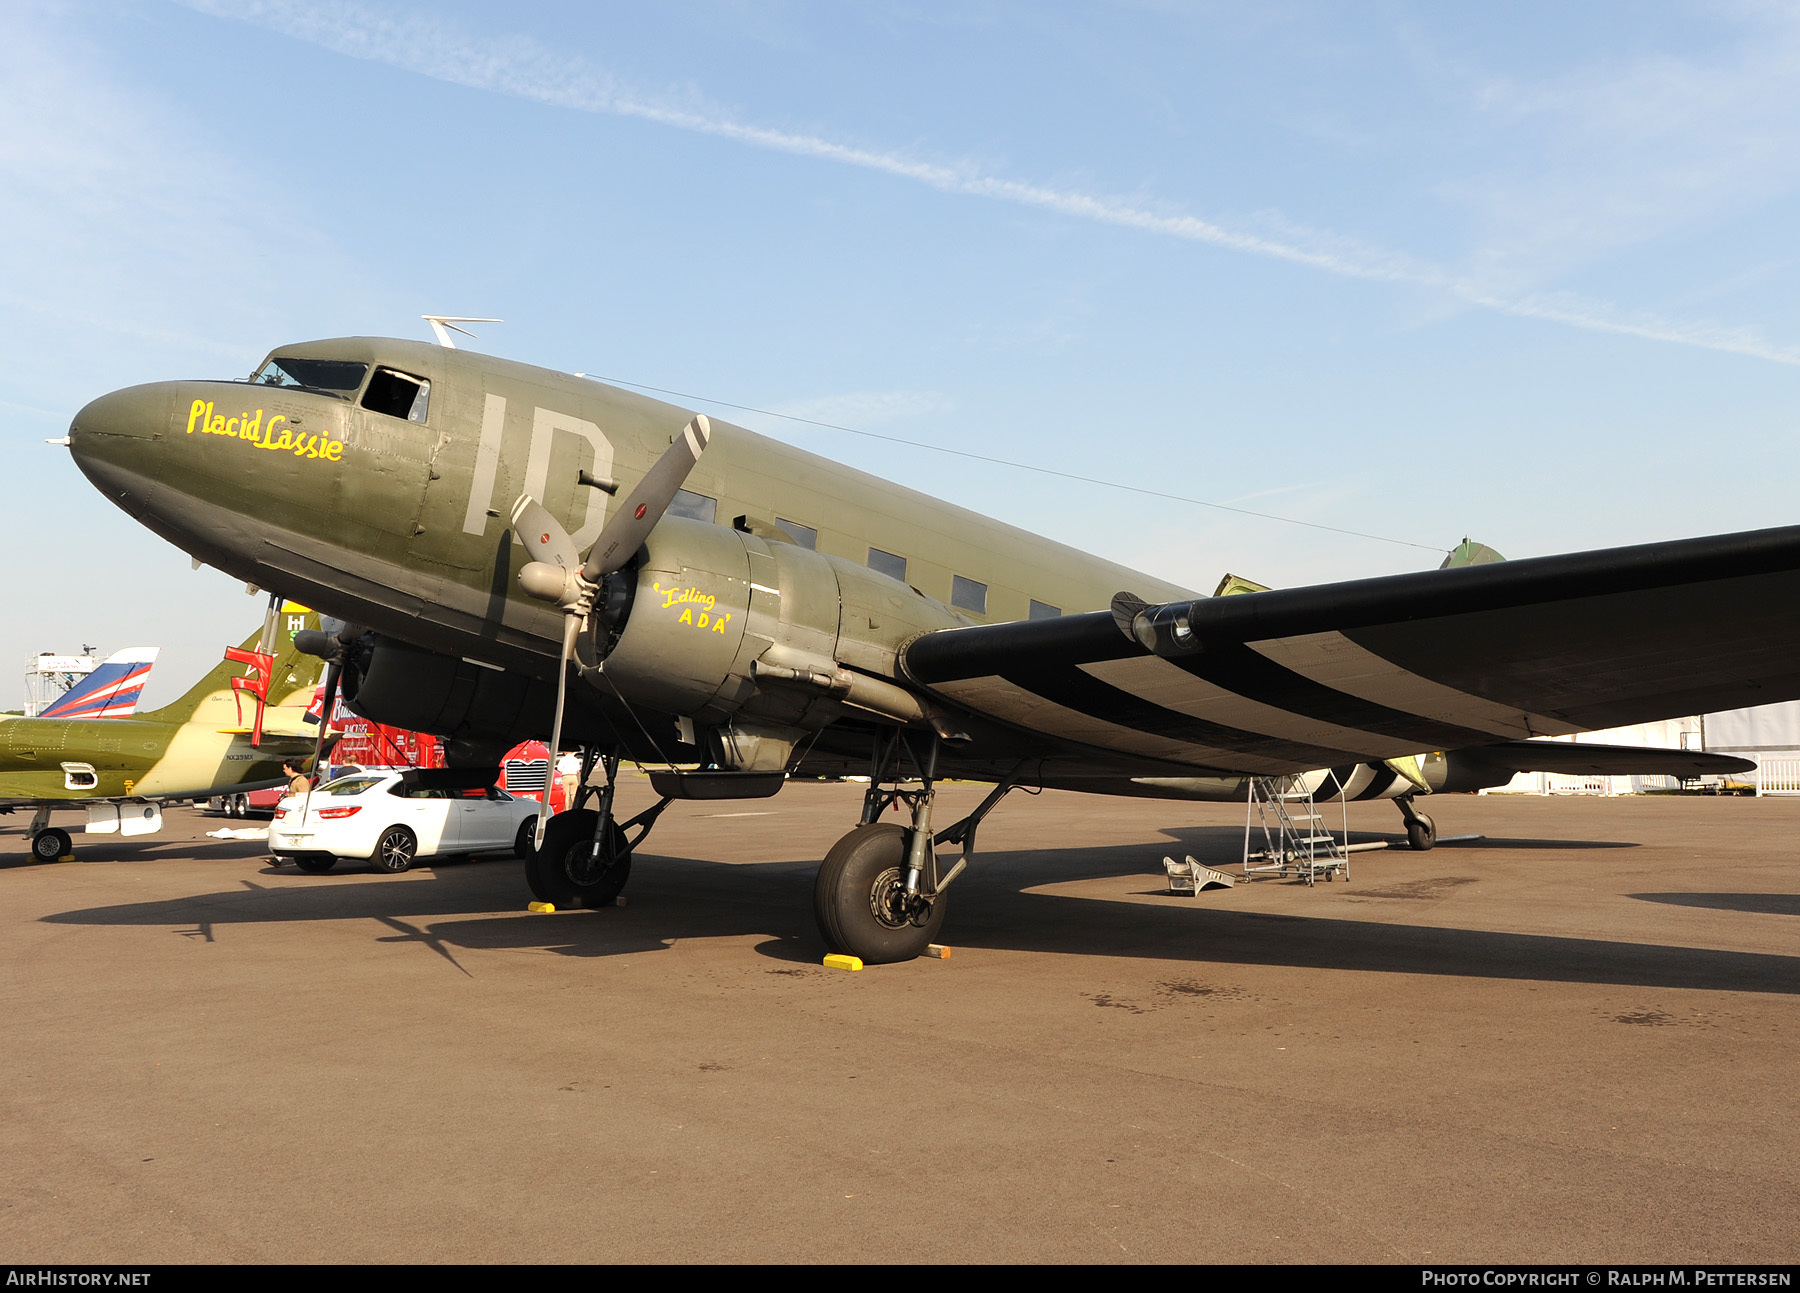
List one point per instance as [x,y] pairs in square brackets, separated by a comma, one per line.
[1575,758]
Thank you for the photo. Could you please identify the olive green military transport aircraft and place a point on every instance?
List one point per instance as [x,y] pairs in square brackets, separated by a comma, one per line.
[511,552]
[122,771]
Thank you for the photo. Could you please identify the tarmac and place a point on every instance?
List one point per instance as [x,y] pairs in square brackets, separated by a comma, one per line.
[1570,1041]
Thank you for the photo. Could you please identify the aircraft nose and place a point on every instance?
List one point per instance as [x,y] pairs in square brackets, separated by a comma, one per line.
[115,439]
[137,411]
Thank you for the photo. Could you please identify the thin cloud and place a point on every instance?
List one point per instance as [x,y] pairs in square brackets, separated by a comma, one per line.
[523,68]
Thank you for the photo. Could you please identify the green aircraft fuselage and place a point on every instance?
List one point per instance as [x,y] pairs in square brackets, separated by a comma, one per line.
[386,502]
[427,502]
[198,745]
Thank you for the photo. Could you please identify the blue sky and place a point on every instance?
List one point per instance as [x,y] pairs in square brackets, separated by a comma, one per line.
[1412,270]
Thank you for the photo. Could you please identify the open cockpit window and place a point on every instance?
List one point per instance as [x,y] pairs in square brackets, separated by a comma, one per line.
[338,377]
[399,395]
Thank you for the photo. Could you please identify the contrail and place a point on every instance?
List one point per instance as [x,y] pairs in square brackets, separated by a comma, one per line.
[523,68]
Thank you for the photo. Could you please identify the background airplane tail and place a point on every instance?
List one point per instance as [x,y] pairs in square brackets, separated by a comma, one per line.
[111,691]
[291,680]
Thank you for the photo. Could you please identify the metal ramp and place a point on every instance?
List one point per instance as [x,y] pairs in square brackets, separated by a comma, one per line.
[1282,811]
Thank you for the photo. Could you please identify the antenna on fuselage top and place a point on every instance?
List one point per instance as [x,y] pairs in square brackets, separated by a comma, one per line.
[444,324]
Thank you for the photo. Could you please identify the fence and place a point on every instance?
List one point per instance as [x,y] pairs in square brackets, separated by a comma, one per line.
[1778,774]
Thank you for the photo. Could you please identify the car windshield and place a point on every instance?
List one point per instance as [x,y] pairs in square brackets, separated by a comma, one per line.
[334,376]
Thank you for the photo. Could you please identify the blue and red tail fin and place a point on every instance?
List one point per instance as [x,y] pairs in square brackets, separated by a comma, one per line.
[111,691]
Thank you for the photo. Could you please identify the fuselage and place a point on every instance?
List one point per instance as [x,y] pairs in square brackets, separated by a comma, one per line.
[69,760]
[396,517]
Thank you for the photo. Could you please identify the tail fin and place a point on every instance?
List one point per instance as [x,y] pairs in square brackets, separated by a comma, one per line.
[111,691]
[1470,553]
[291,683]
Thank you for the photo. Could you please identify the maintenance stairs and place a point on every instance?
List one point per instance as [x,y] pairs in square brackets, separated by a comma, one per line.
[1294,839]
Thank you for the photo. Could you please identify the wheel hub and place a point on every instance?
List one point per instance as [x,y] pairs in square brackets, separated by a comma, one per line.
[587,862]
[892,906]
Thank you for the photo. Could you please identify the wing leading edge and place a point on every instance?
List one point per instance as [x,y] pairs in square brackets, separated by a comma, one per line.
[1372,669]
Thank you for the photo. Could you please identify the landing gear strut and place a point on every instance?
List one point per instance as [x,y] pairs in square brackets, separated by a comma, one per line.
[879,895]
[1421,831]
[586,854]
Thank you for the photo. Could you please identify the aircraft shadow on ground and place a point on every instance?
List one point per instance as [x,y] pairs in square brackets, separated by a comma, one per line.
[1396,841]
[144,848]
[998,905]
[1768,904]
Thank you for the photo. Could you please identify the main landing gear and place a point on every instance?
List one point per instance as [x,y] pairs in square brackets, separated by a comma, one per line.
[1421,831]
[586,855]
[879,895]
[48,843]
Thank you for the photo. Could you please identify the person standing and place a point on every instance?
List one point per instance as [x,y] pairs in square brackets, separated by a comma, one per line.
[568,770]
[298,782]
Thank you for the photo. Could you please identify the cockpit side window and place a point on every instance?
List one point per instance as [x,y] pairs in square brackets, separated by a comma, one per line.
[399,395]
[338,377]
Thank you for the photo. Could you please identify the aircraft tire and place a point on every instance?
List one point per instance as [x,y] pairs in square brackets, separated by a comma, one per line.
[853,899]
[51,844]
[395,850]
[1421,833]
[563,871]
[315,863]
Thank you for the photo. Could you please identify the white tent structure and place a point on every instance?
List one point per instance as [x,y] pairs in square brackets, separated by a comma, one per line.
[1769,734]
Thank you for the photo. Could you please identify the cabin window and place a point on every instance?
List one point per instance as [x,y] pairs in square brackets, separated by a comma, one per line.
[968,595]
[1044,610]
[803,535]
[696,507]
[888,563]
[338,377]
[79,776]
[397,395]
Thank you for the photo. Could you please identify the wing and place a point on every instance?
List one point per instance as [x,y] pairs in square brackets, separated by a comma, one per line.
[1479,656]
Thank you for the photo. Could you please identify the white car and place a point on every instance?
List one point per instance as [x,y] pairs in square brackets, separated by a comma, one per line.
[392,818]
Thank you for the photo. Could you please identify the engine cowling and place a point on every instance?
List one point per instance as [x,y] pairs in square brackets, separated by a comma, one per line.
[723,645]
[754,642]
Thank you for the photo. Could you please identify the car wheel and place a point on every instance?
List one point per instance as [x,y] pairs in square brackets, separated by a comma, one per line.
[395,850]
[524,843]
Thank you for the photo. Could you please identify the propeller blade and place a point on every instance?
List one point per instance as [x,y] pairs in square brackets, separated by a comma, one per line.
[631,524]
[571,626]
[333,672]
[543,535]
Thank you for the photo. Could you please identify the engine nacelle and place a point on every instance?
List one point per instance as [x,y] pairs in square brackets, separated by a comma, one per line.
[481,712]
[746,638]
[713,638]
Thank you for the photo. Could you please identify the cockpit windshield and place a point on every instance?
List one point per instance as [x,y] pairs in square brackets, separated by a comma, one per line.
[336,376]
